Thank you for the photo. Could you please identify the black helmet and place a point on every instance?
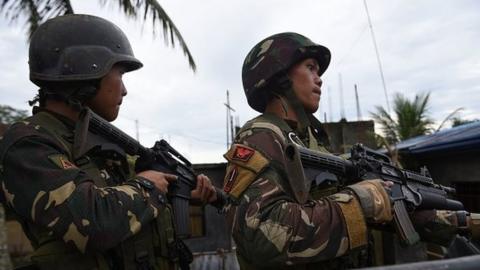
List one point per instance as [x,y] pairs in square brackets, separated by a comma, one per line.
[78,48]
[272,57]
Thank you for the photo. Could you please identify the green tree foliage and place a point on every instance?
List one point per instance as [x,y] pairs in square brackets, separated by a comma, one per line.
[457,121]
[8,115]
[38,11]
[410,118]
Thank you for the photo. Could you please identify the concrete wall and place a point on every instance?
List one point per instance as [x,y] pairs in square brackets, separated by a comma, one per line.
[217,236]
[343,135]
[460,170]
[3,127]
[219,260]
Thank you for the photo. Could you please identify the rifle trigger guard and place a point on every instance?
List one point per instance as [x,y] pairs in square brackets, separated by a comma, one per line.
[412,196]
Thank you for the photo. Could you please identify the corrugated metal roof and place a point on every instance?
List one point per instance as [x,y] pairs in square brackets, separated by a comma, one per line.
[461,138]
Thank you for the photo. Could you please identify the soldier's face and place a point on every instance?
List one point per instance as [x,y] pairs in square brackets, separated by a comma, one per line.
[108,99]
[306,83]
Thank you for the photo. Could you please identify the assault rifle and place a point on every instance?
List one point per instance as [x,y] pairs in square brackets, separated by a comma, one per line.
[409,192]
[161,157]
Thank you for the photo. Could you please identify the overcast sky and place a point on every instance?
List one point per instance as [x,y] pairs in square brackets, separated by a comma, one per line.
[424,46]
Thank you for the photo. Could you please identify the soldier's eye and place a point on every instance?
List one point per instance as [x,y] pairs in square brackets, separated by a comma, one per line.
[313,67]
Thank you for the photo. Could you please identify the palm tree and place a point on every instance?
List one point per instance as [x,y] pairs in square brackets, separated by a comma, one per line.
[9,115]
[411,118]
[457,121]
[38,11]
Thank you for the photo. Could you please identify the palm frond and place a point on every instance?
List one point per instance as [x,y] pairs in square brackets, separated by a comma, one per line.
[411,118]
[55,8]
[388,125]
[169,29]
[13,10]
[152,8]
[126,5]
[35,11]
[449,117]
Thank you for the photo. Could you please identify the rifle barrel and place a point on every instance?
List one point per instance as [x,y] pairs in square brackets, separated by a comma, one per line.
[102,127]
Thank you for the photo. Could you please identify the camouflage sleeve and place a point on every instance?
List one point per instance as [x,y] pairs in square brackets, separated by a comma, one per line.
[272,229]
[64,200]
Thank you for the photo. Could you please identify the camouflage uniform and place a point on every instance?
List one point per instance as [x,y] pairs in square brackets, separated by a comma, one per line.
[74,192]
[278,220]
[270,226]
[83,212]
[5,262]
[275,222]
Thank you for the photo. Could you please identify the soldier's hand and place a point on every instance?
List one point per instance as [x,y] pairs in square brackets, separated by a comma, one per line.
[205,191]
[444,223]
[473,222]
[374,199]
[438,226]
[159,179]
[455,221]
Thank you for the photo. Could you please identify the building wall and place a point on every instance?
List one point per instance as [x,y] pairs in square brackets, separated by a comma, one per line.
[3,128]
[460,170]
[343,135]
[217,237]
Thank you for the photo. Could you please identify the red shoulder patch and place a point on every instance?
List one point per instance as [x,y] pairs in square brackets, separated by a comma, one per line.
[67,164]
[242,153]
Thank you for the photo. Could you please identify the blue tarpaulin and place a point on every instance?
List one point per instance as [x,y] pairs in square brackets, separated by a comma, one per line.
[458,139]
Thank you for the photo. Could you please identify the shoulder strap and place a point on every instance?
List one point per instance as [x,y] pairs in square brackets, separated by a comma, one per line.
[55,128]
[266,121]
[270,135]
[22,129]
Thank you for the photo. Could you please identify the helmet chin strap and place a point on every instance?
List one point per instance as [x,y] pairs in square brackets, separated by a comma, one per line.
[283,103]
[81,132]
[76,97]
[287,95]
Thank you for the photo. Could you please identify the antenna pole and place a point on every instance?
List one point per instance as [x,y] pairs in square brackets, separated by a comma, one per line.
[229,120]
[342,104]
[359,112]
[378,56]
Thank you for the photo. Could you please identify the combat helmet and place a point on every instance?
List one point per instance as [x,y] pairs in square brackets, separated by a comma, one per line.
[76,47]
[269,60]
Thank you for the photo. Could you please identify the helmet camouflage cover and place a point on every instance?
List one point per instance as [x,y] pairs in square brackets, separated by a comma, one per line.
[77,48]
[272,57]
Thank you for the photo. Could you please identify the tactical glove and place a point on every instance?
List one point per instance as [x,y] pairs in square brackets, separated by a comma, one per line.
[474,225]
[374,199]
[440,226]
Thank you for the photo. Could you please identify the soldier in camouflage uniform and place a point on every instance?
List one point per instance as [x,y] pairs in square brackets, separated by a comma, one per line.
[278,221]
[78,199]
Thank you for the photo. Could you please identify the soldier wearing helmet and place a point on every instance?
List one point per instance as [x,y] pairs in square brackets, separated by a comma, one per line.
[278,221]
[78,200]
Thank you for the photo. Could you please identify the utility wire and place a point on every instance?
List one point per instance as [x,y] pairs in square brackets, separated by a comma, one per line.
[156,130]
[354,43]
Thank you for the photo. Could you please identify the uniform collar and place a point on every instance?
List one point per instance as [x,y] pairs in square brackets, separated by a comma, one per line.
[65,120]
